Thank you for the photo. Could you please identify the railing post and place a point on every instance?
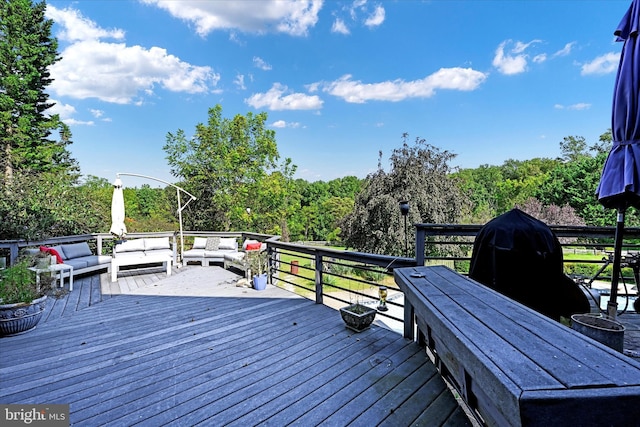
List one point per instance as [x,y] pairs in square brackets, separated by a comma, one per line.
[420,237]
[271,264]
[13,253]
[318,278]
[408,320]
[98,245]
[175,251]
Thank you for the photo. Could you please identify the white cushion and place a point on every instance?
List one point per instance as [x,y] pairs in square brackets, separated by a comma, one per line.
[156,243]
[199,243]
[234,256]
[227,243]
[136,245]
[131,254]
[193,253]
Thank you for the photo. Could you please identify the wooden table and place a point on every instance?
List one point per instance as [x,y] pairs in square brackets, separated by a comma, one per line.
[512,365]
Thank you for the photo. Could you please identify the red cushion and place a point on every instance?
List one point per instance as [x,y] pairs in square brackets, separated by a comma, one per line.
[52,252]
[254,246]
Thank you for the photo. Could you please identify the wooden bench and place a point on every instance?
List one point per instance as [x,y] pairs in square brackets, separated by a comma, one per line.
[511,365]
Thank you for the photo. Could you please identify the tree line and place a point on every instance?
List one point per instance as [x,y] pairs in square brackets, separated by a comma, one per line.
[233,167]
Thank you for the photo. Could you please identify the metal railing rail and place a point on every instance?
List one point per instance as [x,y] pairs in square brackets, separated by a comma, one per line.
[322,271]
[327,266]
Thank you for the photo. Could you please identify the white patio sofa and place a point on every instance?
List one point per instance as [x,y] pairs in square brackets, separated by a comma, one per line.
[145,251]
[212,250]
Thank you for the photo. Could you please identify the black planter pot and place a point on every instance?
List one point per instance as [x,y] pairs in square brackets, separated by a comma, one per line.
[358,317]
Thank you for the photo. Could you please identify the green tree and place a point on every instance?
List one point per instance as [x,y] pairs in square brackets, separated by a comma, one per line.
[493,190]
[604,143]
[47,204]
[220,163]
[272,201]
[480,186]
[150,209]
[419,173]
[574,184]
[573,147]
[27,50]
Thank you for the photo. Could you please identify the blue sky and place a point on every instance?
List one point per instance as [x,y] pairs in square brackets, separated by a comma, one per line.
[340,81]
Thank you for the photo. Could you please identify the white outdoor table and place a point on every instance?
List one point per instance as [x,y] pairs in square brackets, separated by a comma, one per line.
[58,271]
[117,262]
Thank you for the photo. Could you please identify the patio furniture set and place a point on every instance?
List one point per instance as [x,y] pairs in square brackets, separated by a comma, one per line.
[73,259]
[207,250]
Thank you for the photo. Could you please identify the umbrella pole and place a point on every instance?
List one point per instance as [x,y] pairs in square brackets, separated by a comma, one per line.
[612,306]
[181,232]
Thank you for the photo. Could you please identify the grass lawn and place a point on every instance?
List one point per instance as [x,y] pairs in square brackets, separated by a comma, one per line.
[307,272]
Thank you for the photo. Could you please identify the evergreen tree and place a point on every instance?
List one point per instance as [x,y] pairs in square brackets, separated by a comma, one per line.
[27,50]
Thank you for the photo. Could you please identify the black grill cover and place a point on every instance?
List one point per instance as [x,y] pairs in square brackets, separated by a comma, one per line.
[520,257]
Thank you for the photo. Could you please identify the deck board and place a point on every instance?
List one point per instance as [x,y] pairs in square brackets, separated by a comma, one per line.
[250,359]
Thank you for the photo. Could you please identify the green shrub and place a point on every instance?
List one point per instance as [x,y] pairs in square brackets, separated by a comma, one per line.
[18,284]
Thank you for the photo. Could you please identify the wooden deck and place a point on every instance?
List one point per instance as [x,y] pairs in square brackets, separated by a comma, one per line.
[142,352]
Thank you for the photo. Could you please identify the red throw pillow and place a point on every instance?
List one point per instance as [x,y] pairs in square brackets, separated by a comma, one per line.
[254,246]
[52,252]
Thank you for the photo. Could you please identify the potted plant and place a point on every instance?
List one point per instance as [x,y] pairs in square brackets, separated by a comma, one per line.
[358,316]
[42,260]
[258,266]
[22,300]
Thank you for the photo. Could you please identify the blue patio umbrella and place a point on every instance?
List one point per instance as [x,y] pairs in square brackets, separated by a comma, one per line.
[619,186]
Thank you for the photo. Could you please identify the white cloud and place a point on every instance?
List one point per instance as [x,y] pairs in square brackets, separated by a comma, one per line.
[290,17]
[76,27]
[603,64]
[566,50]
[359,12]
[65,111]
[72,122]
[340,27]
[239,81]
[283,124]
[513,61]
[115,72]
[260,63]
[540,58]
[579,106]
[464,79]
[275,99]
[376,18]
[99,114]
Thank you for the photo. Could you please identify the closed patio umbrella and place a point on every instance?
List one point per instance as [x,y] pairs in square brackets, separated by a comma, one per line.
[118,228]
[619,186]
